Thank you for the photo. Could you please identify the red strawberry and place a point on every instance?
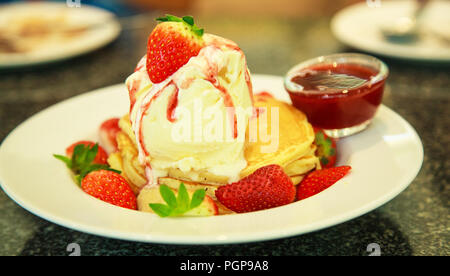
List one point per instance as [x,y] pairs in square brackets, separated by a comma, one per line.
[326,148]
[319,180]
[170,45]
[110,187]
[108,132]
[266,188]
[100,158]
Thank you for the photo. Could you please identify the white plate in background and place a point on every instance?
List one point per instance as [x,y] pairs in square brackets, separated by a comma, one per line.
[359,26]
[55,48]
[385,158]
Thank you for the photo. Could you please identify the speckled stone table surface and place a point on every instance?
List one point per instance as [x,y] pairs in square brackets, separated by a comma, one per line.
[416,222]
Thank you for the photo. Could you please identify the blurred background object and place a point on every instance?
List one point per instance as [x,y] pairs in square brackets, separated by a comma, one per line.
[33,32]
[391,29]
[282,8]
[40,32]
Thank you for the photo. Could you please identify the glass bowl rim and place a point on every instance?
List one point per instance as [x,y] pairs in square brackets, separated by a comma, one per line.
[382,68]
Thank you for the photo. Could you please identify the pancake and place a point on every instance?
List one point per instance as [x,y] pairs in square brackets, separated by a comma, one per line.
[295,136]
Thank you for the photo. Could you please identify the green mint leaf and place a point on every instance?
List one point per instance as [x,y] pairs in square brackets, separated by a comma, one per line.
[189,20]
[169,196]
[65,159]
[162,19]
[183,199]
[197,198]
[161,210]
[177,205]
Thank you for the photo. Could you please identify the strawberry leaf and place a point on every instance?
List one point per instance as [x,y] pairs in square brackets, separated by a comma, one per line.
[169,18]
[90,154]
[65,159]
[79,155]
[189,20]
[82,161]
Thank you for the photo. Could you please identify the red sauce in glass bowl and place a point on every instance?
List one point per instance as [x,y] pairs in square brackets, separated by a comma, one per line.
[336,96]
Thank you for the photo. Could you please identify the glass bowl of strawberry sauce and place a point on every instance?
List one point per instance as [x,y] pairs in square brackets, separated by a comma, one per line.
[339,93]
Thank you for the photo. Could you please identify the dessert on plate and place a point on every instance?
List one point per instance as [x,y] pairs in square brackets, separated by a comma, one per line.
[198,141]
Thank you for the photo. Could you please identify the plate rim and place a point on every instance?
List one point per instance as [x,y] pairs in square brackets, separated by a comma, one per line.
[168,239]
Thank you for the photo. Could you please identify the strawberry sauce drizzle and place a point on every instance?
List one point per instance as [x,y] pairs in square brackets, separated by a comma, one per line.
[211,76]
[132,92]
[228,102]
[232,46]
[172,105]
[173,102]
[138,68]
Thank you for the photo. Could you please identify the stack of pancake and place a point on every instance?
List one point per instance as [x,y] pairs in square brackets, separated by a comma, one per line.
[294,151]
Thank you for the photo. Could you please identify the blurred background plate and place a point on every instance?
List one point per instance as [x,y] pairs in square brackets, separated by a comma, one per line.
[34,33]
[359,26]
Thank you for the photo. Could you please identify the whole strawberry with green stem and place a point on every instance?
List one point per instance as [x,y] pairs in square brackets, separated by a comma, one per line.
[86,160]
[170,46]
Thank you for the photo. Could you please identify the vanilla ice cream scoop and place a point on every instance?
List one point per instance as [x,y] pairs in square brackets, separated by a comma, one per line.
[195,120]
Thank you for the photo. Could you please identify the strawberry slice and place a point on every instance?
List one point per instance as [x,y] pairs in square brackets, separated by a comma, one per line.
[108,132]
[326,148]
[319,180]
[100,158]
[266,188]
[110,187]
[171,44]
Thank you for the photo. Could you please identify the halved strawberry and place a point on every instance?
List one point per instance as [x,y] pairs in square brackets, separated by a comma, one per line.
[326,148]
[110,187]
[100,158]
[171,44]
[266,188]
[319,180]
[108,132]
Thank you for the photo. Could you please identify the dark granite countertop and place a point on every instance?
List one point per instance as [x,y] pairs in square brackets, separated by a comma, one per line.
[414,223]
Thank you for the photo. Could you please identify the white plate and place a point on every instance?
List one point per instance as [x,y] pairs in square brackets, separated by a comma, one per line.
[358,26]
[56,49]
[385,159]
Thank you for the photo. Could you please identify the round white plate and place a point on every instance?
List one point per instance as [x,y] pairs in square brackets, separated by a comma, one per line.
[56,49]
[358,26]
[385,159]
